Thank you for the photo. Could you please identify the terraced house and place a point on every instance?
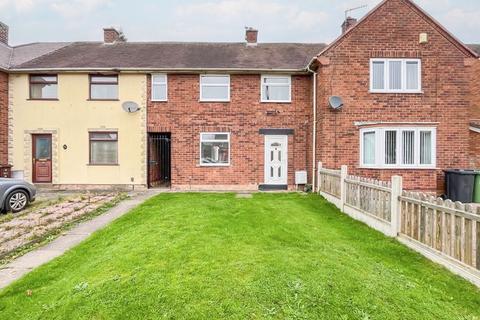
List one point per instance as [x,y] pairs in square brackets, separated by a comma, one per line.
[244,115]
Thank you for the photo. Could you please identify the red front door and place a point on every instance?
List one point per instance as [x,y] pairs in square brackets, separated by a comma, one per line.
[42,158]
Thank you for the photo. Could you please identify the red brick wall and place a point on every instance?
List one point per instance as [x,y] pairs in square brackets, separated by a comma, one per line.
[185,117]
[476,92]
[475,150]
[475,117]
[3,118]
[393,31]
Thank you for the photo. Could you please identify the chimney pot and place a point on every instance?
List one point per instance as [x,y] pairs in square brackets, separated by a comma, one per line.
[251,35]
[112,35]
[3,33]
[348,24]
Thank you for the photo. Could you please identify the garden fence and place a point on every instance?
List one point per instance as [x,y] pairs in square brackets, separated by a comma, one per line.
[446,232]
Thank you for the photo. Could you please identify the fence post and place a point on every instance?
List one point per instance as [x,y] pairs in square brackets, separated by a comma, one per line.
[395,205]
[343,189]
[319,180]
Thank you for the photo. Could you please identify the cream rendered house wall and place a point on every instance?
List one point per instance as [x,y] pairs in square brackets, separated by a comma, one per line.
[69,120]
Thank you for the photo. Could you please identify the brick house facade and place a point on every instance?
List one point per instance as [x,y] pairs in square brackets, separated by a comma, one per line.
[475,147]
[392,31]
[475,118]
[184,117]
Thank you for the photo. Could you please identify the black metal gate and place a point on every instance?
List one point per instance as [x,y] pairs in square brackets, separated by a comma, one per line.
[159,160]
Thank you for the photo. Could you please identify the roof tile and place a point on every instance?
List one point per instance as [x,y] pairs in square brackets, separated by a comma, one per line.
[175,55]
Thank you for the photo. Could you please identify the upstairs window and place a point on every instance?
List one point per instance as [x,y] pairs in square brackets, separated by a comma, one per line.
[276,89]
[43,87]
[159,87]
[215,149]
[214,88]
[103,148]
[103,87]
[398,147]
[395,76]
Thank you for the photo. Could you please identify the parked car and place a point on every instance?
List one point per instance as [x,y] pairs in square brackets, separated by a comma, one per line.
[15,195]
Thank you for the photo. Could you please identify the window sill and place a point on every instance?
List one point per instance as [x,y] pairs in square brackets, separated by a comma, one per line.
[158,100]
[102,165]
[52,99]
[396,92]
[397,168]
[286,102]
[214,165]
[214,101]
[103,99]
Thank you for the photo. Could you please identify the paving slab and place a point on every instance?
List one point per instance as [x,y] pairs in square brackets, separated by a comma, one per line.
[11,274]
[33,259]
[244,195]
[65,242]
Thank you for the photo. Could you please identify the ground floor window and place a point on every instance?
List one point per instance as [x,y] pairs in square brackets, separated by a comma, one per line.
[398,147]
[215,149]
[103,148]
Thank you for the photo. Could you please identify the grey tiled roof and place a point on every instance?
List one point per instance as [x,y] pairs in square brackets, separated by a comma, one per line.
[174,55]
[5,55]
[474,47]
[31,51]
[12,56]
[161,55]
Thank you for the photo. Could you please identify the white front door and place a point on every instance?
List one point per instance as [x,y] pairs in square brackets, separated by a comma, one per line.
[276,160]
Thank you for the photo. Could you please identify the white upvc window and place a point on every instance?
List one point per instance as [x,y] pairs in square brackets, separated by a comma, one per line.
[400,147]
[276,88]
[215,88]
[395,75]
[159,87]
[214,149]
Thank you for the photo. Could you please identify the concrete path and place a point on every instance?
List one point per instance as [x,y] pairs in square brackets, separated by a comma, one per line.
[24,264]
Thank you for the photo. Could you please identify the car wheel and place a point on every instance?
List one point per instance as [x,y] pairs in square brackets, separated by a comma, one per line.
[17,201]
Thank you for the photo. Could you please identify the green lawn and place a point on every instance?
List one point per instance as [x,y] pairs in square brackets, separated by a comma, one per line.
[213,256]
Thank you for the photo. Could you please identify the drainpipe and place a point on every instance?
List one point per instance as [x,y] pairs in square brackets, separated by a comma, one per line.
[314,133]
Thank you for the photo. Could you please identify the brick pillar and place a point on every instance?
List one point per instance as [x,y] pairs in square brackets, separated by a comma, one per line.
[3,118]
[251,35]
[3,33]
[111,35]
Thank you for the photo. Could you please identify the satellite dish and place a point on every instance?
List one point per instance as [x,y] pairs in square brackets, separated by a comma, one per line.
[335,102]
[130,106]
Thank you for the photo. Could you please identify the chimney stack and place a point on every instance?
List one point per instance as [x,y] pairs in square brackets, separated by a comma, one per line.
[348,24]
[3,33]
[112,35]
[251,35]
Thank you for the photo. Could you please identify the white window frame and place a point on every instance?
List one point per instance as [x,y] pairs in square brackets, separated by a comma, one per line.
[262,84]
[202,99]
[159,83]
[380,148]
[206,140]
[386,73]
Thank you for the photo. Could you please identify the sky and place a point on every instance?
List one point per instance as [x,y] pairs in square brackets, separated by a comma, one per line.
[209,20]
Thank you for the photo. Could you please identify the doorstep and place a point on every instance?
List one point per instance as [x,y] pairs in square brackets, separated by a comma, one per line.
[273,187]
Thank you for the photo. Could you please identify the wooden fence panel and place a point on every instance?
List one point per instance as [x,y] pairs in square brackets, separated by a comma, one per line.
[445,232]
[369,196]
[330,182]
[447,227]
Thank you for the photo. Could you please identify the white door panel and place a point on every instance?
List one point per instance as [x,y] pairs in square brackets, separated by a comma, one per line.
[276,148]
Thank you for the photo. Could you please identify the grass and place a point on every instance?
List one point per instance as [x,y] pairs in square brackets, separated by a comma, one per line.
[213,256]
